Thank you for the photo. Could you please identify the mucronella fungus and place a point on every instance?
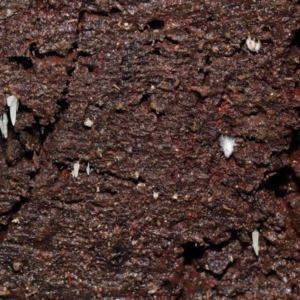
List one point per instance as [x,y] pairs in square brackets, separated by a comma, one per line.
[227,143]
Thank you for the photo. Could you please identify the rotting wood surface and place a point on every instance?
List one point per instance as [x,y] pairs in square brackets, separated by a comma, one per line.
[141,91]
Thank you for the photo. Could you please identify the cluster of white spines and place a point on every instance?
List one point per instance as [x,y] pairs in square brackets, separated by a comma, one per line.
[13,104]
[76,168]
[227,143]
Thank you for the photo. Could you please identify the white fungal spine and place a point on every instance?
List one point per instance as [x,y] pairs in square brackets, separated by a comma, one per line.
[155,195]
[253,44]
[76,169]
[255,237]
[227,143]
[88,122]
[88,169]
[13,104]
[3,124]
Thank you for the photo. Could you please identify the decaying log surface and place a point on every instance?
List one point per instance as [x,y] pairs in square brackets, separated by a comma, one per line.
[142,91]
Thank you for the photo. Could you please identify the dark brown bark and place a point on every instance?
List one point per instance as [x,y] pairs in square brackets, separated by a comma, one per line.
[142,91]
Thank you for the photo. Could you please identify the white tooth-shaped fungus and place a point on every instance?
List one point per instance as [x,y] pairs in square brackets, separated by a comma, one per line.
[227,143]
[155,195]
[3,124]
[88,122]
[89,170]
[255,236]
[75,171]
[10,99]
[13,104]
[253,44]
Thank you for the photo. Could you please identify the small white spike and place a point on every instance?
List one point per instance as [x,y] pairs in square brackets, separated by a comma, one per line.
[17,105]
[75,172]
[10,99]
[3,124]
[255,237]
[13,111]
[4,118]
[13,104]
[88,170]
[155,195]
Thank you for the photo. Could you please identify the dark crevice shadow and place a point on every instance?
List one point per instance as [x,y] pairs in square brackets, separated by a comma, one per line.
[24,61]
[171,40]
[296,38]
[192,251]
[295,143]
[115,10]
[155,24]
[84,54]
[279,181]
[144,98]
